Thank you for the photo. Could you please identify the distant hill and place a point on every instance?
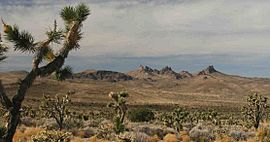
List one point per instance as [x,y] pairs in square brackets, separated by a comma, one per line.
[102,75]
[206,88]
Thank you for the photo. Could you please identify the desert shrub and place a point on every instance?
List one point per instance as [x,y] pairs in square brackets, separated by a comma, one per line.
[230,119]
[224,138]
[119,105]
[141,115]
[51,136]
[105,130]
[87,133]
[175,119]
[237,135]
[24,134]
[133,137]
[201,133]
[254,111]
[170,138]
[28,111]
[208,115]
[73,120]
[263,134]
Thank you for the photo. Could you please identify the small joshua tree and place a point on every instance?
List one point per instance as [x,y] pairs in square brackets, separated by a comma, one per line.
[120,107]
[176,118]
[24,42]
[254,111]
[57,108]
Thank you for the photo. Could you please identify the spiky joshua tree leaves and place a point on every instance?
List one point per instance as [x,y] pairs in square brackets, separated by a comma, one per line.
[24,42]
[255,110]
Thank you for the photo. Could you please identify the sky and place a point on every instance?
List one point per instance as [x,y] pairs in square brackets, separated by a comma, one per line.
[232,35]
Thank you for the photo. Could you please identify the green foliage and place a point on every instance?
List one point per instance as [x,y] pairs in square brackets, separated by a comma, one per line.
[27,111]
[176,118]
[78,13]
[51,136]
[63,73]
[23,41]
[56,108]
[255,109]
[73,120]
[119,105]
[3,131]
[209,115]
[54,34]
[118,125]
[141,115]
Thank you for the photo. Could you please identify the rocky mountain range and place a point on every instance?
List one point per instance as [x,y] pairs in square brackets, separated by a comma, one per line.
[205,88]
[143,72]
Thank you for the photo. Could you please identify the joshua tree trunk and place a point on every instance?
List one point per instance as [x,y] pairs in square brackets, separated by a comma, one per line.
[123,113]
[14,106]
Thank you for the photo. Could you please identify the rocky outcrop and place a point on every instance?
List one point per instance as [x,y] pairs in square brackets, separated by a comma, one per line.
[145,72]
[103,75]
[208,70]
[185,74]
[169,72]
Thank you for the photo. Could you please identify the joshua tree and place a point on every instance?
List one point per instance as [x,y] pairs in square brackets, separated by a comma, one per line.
[56,108]
[255,109]
[120,107]
[24,42]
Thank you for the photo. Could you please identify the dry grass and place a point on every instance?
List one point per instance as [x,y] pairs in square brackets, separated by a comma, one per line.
[184,137]
[218,90]
[170,138]
[25,133]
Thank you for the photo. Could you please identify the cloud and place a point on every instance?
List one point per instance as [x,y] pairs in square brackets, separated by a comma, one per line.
[156,28]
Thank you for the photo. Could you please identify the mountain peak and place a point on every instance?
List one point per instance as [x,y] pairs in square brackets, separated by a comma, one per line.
[166,69]
[210,69]
[185,74]
[145,69]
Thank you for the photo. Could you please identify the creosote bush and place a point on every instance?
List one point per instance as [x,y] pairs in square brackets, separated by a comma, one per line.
[141,115]
[51,136]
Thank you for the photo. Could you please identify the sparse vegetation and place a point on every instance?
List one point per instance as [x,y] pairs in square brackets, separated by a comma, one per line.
[176,118]
[141,115]
[81,120]
[51,136]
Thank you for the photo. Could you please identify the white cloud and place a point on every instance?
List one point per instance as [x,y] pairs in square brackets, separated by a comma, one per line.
[156,28]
